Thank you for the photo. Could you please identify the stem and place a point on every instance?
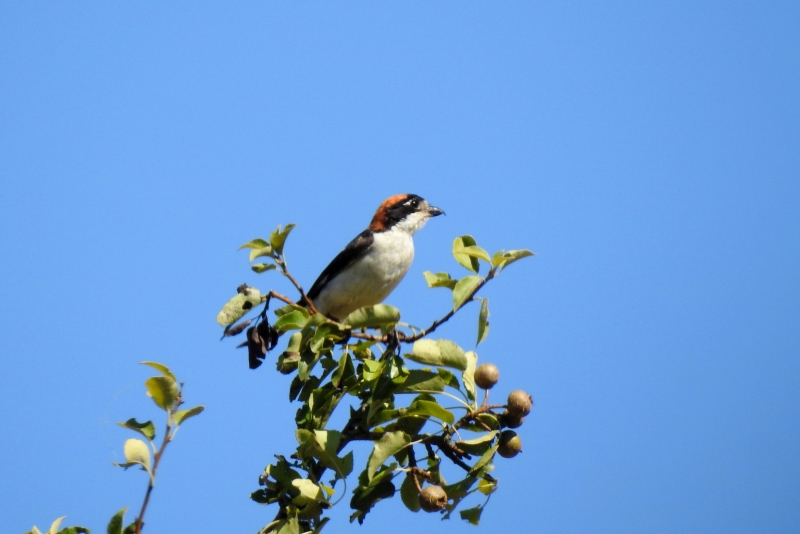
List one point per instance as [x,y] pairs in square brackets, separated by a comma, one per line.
[140,518]
[280,297]
[303,297]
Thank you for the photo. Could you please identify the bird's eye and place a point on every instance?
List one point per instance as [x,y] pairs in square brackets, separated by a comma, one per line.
[414,202]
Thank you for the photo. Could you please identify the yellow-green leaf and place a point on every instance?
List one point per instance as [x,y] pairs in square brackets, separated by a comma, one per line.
[259,252]
[137,451]
[294,320]
[160,367]
[278,237]
[309,492]
[56,525]
[468,376]
[468,261]
[183,415]
[255,243]
[439,280]
[464,289]
[147,429]
[263,267]
[389,444]
[483,321]
[441,352]
[163,390]
[372,316]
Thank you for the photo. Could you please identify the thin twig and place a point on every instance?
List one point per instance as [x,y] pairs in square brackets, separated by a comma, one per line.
[303,297]
[287,300]
[150,484]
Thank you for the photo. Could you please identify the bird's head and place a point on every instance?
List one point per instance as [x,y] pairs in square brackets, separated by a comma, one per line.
[404,212]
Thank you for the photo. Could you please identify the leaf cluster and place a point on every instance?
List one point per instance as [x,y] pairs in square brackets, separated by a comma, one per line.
[414,397]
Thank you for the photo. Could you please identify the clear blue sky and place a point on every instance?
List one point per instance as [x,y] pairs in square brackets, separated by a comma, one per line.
[648,152]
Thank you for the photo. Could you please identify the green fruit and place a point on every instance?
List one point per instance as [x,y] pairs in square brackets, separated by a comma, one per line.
[487,375]
[510,444]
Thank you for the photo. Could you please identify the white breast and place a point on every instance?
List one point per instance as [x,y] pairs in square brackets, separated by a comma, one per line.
[370,279]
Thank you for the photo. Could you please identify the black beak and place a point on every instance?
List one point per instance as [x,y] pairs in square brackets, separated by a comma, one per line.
[433,211]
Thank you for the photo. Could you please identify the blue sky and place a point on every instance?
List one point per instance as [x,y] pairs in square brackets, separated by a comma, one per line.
[648,152]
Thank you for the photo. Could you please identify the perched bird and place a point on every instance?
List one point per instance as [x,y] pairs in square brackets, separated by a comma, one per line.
[372,264]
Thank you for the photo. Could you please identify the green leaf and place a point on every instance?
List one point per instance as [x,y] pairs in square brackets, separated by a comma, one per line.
[77,530]
[55,525]
[409,494]
[183,415]
[432,409]
[463,290]
[483,321]
[288,526]
[293,320]
[255,243]
[487,486]
[473,515]
[477,445]
[439,280]
[372,316]
[476,252]
[163,390]
[422,380]
[322,445]
[137,452]
[391,443]
[373,369]
[502,259]
[468,376]
[483,460]
[262,267]
[448,378]
[369,492]
[160,367]
[238,306]
[278,237]
[259,252]
[115,525]
[440,352]
[147,429]
[467,260]
[309,492]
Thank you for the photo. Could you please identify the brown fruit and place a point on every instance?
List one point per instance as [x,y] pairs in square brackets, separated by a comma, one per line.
[487,375]
[432,498]
[510,444]
[512,420]
[519,403]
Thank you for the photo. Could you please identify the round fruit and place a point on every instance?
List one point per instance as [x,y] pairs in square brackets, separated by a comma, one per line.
[487,375]
[510,444]
[432,499]
[519,403]
[512,420]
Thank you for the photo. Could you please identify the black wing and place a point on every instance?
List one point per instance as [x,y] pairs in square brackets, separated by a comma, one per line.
[351,252]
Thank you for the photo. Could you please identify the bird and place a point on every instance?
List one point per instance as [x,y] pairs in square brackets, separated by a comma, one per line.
[375,261]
